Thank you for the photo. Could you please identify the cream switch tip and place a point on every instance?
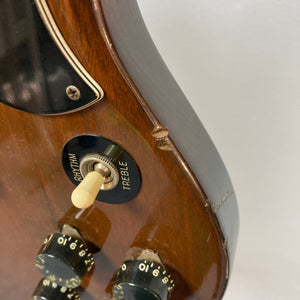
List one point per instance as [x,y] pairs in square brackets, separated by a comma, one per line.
[86,192]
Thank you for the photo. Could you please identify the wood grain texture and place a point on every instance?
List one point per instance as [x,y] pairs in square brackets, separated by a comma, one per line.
[169,213]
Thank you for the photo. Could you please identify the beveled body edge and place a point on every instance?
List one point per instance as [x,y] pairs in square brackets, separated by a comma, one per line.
[166,100]
[171,213]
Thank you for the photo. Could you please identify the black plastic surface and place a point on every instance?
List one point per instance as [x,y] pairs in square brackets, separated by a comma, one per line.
[79,146]
[34,74]
[47,290]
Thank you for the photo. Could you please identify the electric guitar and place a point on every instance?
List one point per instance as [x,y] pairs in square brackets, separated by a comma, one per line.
[90,110]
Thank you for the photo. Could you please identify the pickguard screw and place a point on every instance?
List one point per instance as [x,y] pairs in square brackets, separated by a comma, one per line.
[73,92]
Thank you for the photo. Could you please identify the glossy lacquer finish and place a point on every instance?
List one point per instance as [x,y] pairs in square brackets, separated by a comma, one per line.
[170,214]
[34,74]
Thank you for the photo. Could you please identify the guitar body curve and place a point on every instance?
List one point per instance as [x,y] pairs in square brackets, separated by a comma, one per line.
[185,209]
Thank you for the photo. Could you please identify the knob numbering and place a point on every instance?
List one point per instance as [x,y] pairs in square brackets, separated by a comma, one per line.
[64,260]
[47,290]
[141,279]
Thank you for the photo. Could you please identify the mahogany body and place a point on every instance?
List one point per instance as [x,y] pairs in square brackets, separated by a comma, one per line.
[170,214]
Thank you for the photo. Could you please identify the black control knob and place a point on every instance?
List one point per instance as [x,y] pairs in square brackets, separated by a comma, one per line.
[142,279]
[64,260]
[48,290]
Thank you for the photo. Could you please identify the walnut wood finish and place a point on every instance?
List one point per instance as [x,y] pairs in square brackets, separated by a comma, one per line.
[170,214]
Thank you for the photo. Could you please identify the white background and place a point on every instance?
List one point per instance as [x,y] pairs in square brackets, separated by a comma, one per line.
[238,62]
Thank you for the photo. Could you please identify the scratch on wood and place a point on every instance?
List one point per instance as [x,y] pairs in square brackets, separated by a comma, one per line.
[161,134]
[208,237]
[207,203]
[227,270]
[216,207]
[164,145]
[225,244]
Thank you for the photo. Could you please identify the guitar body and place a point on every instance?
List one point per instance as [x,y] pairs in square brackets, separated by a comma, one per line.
[185,209]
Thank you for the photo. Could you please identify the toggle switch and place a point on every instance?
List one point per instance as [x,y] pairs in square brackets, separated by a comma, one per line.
[86,192]
[88,153]
[99,173]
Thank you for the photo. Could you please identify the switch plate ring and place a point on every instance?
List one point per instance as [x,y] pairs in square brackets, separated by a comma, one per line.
[81,146]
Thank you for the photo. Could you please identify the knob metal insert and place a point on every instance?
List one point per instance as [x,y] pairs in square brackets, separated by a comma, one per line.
[143,279]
